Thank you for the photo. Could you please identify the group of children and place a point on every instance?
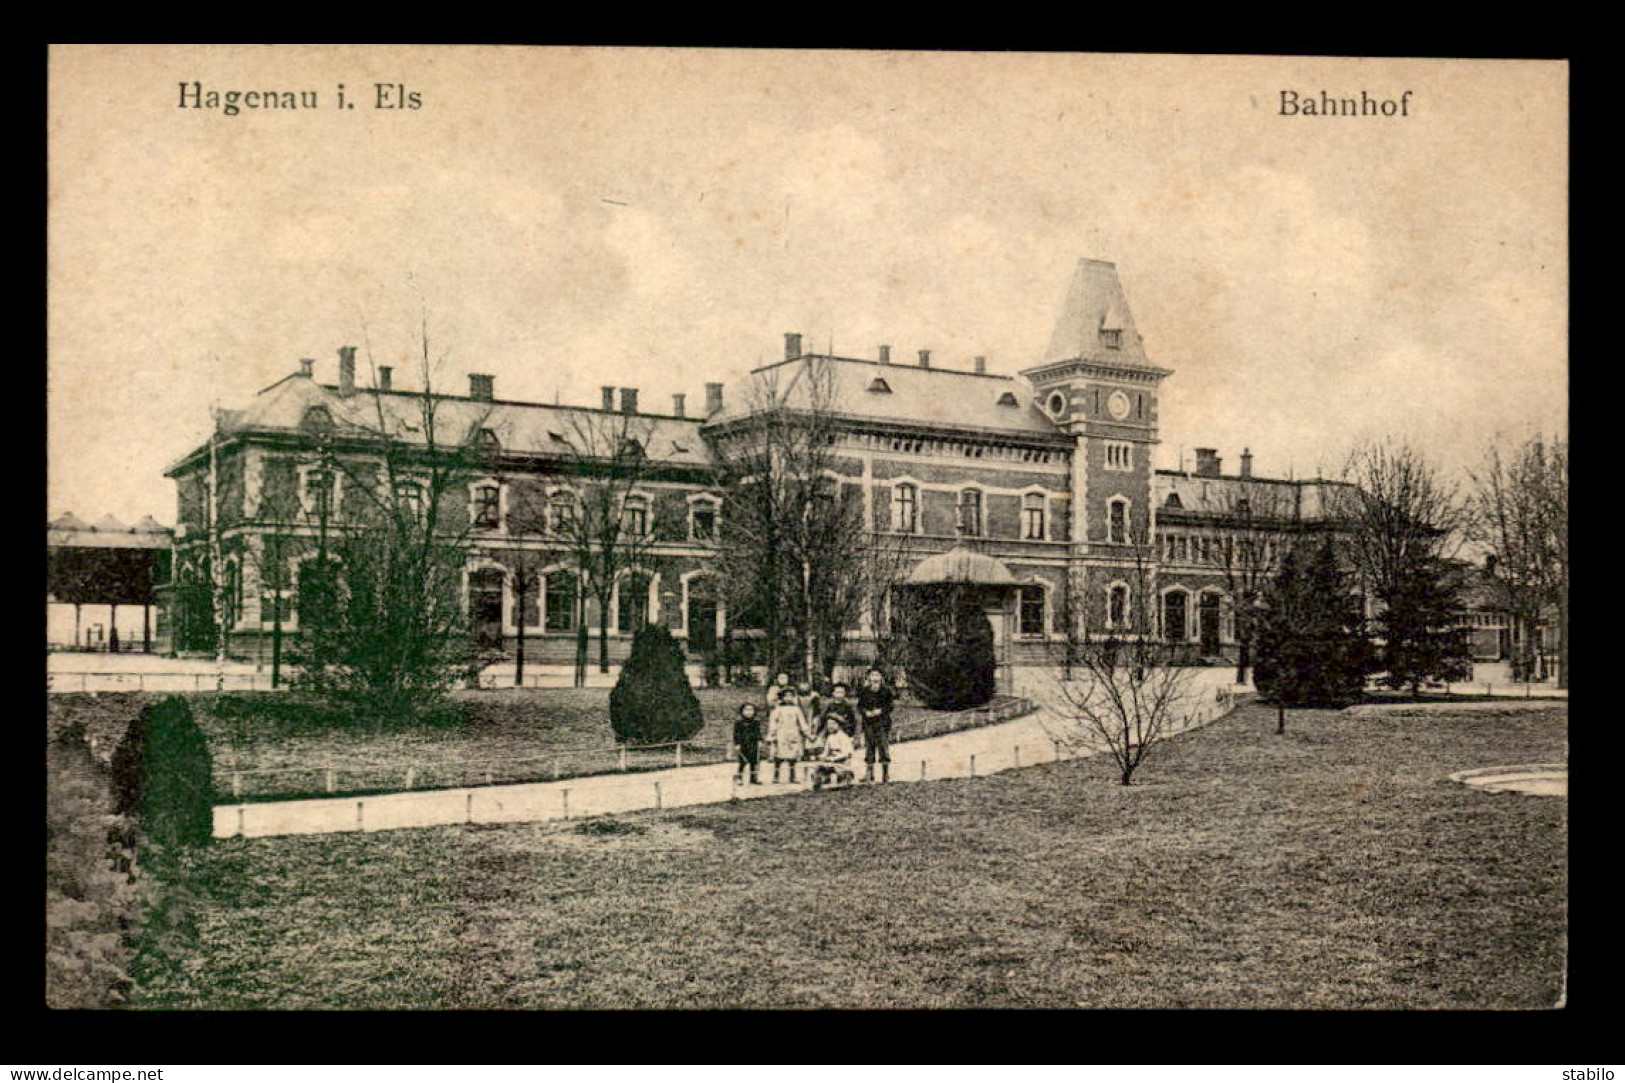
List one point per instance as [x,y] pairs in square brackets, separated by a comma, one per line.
[803,725]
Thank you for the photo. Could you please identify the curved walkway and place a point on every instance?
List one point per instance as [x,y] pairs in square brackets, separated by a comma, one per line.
[1040,737]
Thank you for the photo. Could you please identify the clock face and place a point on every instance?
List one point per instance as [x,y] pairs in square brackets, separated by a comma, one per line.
[1117,405]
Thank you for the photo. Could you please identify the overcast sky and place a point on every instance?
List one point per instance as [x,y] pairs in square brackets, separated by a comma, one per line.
[657,218]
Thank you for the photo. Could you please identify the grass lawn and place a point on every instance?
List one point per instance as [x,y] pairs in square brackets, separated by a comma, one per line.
[1333,867]
[283,748]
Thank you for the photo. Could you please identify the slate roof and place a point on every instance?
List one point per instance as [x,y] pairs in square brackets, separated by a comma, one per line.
[1208,496]
[909,394]
[1095,302]
[530,428]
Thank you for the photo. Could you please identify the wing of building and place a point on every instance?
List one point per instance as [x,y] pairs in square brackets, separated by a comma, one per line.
[1034,487]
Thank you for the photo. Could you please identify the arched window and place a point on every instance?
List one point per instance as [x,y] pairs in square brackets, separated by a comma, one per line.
[1117,606]
[1117,521]
[970,513]
[1034,510]
[905,508]
[559,592]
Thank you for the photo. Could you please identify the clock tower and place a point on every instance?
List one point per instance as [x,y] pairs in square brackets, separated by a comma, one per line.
[1098,385]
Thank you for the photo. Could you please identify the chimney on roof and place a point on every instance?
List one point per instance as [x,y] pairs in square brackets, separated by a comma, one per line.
[1246,462]
[678,402]
[346,371]
[981,366]
[792,346]
[386,378]
[481,387]
[609,398]
[629,400]
[1207,462]
[885,355]
[925,359]
[307,366]
[713,399]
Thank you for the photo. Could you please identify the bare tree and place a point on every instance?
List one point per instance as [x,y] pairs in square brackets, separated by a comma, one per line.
[799,556]
[381,617]
[603,521]
[1257,523]
[1118,688]
[1519,513]
[1403,523]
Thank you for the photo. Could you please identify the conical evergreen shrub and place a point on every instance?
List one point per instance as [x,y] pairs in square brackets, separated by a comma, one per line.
[162,775]
[950,656]
[652,701]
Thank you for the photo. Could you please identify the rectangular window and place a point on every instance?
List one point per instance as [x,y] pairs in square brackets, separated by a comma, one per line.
[703,521]
[905,509]
[1033,514]
[1032,611]
[1119,455]
[319,494]
[562,513]
[635,517]
[970,513]
[409,501]
[487,507]
[1117,524]
[561,602]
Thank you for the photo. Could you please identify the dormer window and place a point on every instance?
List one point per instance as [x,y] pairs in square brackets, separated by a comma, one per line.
[1111,338]
[1008,399]
[880,386]
[1173,501]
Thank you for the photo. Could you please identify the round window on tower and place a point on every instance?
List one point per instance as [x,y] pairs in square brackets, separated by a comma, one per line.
[1056,404]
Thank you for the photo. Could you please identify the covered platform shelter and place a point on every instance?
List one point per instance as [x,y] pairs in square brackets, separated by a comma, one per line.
[101,583]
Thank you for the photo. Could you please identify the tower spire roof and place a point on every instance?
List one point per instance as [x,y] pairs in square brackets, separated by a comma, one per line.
[1095,322]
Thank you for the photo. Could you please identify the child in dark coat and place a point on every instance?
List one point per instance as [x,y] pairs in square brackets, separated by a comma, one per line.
[748,741]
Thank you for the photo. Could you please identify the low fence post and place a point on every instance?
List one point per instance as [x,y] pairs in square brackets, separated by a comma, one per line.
[922,770]
[469,810]
[329,774]
[657,795]
[1057,745]
[679,753]
[566,796]
[1015,757]
[360,824]
[623,759]
[240,830]
[411,776]
[237,784]
[973,765]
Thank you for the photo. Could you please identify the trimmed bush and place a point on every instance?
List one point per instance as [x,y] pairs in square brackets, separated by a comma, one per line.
[950,655]
[652,701]
[162,775]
